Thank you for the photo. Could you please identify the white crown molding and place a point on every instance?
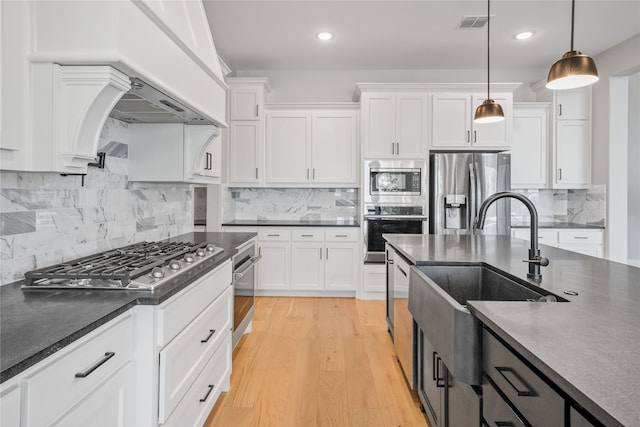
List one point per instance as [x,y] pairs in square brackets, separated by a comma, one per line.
[313,106]
[424,87]
[250,80]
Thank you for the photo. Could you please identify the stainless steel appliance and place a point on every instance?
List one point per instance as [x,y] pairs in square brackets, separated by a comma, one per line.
[459,184]
[244,285]
[142,266]
[395,182]
[390,219]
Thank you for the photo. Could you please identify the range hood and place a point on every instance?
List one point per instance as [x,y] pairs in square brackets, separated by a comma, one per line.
[145,104]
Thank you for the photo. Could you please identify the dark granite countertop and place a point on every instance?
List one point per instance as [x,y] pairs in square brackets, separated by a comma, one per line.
[558,225]
[589,347]
[291,223]
[36,323]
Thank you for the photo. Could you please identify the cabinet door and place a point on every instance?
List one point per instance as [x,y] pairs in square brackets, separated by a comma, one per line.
[573,154]
[464,404]
[341,266]
[246,102]
[574,104]
[450,120]
[111,404]
[431,382]
[411,119]
[273,270]
[307,261]
[334,148]
[529,147]
[287,148]
[378,119]
[492,135]
[10,406]
[202,149]
[244,153]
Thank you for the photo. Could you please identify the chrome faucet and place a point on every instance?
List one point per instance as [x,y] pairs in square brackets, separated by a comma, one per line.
[535,260]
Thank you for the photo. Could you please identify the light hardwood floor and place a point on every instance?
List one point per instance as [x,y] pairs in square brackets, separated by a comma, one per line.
[317,362]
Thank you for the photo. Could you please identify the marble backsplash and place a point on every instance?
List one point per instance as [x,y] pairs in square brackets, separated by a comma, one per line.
[323,204]
[46,218]
[585,206]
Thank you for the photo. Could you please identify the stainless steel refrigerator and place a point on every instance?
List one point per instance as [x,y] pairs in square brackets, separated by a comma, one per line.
[459,183]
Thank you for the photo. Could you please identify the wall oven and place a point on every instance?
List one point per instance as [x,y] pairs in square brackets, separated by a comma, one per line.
[395,181]
[390,219]
[244,285]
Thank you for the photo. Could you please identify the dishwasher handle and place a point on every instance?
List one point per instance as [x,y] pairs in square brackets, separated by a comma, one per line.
[249,265]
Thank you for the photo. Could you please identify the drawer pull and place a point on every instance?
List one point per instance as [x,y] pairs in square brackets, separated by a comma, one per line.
[206,396]
[306,235]
[273,235]
[341,235]
[211,332]
[524,389]
[581,237]
[504,424]
[402,271]
[108,355]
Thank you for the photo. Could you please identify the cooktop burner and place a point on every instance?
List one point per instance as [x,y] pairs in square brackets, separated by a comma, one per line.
[141,266]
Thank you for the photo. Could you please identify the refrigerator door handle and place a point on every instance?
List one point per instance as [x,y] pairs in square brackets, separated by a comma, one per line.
[472,205]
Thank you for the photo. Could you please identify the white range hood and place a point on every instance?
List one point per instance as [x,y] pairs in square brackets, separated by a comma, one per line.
[70,63]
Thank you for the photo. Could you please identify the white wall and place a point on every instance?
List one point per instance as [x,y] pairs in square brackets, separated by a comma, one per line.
[633,178]
[339,85]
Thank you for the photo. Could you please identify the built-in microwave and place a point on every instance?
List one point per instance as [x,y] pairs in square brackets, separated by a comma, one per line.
[394,181]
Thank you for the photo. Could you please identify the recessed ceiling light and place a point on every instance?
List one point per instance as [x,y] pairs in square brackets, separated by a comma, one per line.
[324,36]
[524,35]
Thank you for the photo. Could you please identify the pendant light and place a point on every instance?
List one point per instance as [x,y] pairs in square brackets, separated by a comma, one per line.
[574,69]
[488,111]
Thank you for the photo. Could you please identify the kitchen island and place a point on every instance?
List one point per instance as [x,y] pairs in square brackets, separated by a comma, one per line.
[589,348]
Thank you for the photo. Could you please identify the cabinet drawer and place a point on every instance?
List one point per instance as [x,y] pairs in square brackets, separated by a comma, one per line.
[194,409]
[580,236]
[10,406]
[307,235]
[529,393]
[175,314]
[183,358]
[274,235]
[497,412]
[401,276]
[545,237]
[342,235]
[54,389]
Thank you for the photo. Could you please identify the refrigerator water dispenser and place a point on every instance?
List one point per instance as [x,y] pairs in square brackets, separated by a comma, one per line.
[455,207]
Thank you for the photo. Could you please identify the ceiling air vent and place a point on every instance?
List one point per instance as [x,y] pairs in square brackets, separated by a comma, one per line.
[473,21]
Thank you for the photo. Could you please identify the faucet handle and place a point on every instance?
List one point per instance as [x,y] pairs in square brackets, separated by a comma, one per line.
[542,261]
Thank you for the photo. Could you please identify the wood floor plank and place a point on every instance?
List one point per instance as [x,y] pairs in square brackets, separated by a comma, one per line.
[317,362]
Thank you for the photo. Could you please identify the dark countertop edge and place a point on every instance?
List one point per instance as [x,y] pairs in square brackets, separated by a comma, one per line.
[250,223]
[563,225]
[137,298]
[567,388]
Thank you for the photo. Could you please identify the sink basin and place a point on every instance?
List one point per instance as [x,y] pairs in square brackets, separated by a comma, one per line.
[438,295]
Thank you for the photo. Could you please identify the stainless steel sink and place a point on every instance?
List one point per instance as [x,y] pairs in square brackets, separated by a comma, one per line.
[438,295]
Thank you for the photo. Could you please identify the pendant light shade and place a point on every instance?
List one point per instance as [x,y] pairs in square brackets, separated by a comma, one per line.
[488,111]
[574,69]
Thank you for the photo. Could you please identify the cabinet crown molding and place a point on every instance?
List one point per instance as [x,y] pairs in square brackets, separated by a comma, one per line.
[250,81]
[417,87]
[313,106]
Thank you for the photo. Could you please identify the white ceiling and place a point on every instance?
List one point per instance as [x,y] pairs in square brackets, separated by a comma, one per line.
[418,34]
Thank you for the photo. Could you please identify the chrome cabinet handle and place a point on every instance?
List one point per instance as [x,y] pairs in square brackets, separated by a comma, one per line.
[211,332]
[581,237]
[256,173]
[306,235]
[313,175]
[273,235]
[468,136]
[393,148]
[108,355]
[327,257]
[560,174]
[402,271]
[206,396]
[341,235]
[522,389]
[397,148]
[475,136]
[307,173]
[559,109]
[257,111]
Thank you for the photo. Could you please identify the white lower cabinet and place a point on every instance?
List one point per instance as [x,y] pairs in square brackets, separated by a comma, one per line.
[10,405]
[307,264]
[584,241]
[92,377]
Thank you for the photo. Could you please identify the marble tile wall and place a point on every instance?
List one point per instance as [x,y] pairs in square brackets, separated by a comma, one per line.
[322,204]
[46,218]
[585,206]
[200,204]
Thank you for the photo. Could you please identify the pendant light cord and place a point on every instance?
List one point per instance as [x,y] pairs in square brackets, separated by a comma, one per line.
[573,14]
[489,44]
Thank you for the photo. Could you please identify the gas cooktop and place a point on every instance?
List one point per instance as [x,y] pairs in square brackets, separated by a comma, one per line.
[142,266]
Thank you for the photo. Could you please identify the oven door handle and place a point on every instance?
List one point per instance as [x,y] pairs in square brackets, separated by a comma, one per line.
[421,217]
[238,274]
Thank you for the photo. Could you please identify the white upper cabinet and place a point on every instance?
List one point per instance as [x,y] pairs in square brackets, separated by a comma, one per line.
[529,142]
[175,153]
[394,125]
[573,104]
[246,131]
[452,124]
[311,147]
